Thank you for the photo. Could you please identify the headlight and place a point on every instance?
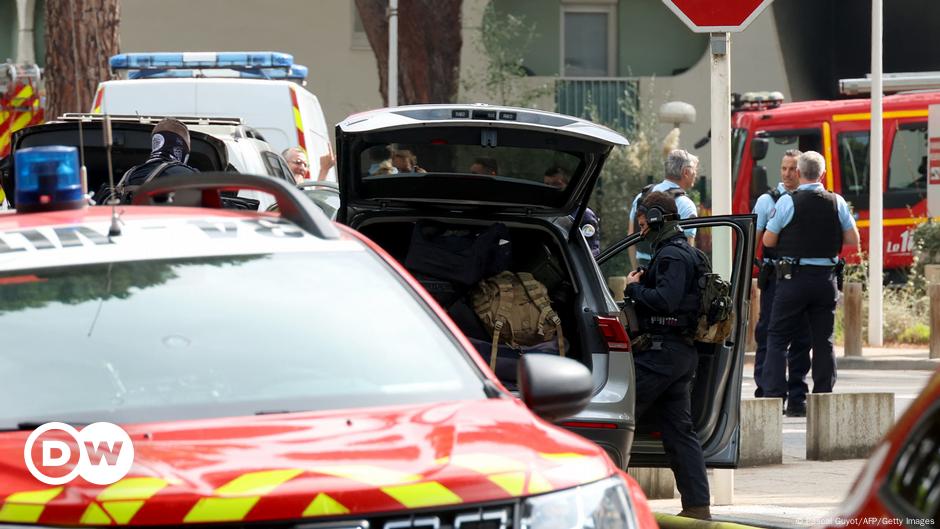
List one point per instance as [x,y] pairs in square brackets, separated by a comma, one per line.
[600,505]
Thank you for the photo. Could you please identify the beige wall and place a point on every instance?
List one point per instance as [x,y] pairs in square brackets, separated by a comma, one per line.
[318,33]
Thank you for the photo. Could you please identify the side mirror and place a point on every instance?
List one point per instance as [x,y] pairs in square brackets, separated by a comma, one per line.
[759,148]
[554,387]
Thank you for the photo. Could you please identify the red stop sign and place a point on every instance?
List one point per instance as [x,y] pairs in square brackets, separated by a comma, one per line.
[717,16]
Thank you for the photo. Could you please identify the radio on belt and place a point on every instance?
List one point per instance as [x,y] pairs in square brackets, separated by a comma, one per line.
[48,179]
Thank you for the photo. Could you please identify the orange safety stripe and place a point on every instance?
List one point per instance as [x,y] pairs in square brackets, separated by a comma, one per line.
[907,221]
[885,115]
[298,121]
[827,153]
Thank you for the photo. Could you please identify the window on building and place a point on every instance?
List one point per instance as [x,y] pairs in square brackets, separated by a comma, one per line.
[589,39]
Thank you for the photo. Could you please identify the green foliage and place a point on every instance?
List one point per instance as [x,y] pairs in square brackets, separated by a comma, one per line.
[927,242]
[503,40]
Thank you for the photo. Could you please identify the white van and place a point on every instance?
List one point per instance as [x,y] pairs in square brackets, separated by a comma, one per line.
[264,89]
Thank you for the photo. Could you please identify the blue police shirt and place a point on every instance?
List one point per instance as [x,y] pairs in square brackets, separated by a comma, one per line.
[684,204]
[783,214]
[763,207]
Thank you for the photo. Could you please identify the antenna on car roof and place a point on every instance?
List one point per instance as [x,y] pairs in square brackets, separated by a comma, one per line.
[83,172]
[115,229]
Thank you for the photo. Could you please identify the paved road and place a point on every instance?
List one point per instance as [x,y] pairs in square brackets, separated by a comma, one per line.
[802,493]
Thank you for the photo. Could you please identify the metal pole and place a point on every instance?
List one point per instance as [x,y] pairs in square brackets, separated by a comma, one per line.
[393,53]
[875,203]
[721,148]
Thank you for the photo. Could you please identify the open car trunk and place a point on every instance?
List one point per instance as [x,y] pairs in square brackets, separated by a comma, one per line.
[536,247]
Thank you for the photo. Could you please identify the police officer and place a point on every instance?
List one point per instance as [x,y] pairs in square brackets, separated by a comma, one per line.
[808,229]
[680,170]
[169,153]
[556,176]
[667,301]
[798,354]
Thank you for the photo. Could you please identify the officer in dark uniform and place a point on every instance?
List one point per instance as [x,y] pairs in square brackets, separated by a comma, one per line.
[808,229]
[798,362]
[667,300]
[169,152]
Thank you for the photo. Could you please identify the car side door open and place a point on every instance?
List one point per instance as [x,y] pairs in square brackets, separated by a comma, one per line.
[716,390]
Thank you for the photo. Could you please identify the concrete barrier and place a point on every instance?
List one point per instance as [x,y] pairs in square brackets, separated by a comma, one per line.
[761,432]
[657,483]
[846,425]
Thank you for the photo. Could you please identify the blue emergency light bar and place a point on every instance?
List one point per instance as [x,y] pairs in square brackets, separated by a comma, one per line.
[210,59]
[47,179]
[295,72]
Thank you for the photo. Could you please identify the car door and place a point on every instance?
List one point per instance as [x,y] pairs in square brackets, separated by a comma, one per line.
[716,393]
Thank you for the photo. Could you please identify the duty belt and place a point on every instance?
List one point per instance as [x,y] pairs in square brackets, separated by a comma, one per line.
[654,341]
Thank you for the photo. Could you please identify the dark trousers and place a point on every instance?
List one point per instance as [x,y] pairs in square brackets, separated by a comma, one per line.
[810,293]
[663,381]
[797,356]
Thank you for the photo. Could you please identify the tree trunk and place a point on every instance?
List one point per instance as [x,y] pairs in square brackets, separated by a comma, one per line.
[429,42]
[80,37]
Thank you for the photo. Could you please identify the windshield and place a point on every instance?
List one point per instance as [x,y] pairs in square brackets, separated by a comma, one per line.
[220,336]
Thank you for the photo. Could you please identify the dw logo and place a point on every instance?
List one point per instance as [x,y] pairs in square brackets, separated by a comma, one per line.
[104,455]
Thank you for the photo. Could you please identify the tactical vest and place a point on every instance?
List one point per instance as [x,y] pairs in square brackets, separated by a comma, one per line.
[775,194]
[814,230]
[685,318]
[644,246]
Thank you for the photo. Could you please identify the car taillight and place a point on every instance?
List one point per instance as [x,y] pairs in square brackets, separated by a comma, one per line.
[614,333]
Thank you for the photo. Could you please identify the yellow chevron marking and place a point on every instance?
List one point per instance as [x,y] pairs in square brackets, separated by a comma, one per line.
[123,510]
[560,456]
[511,482]
[488,463]
[885,115]
[375,476]
[324,505]
[94,515]
[27,506]
[133,489]
[257,483]
[538,484]
[221,509]
[239,496]
[21,121]
[25,93]
[417,495]
[298,122]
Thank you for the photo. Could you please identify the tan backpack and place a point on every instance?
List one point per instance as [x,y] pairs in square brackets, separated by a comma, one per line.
[515,308]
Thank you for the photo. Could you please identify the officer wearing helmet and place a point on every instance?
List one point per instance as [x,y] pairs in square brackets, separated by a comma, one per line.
[169,153]
[667,300]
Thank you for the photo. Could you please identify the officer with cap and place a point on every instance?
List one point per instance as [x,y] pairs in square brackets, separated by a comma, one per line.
[169,152]
[807,229]
[667,300]
[798,354]
[556,176]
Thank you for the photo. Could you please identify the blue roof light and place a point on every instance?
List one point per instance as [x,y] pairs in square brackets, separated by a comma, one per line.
[296,72]
[48,178]
[188,60]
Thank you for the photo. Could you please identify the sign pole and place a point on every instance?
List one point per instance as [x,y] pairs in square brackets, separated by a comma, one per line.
[875,204]
[393,53]
[721,147]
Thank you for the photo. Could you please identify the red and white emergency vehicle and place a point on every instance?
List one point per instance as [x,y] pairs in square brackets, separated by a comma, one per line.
[270,369]
[763,128]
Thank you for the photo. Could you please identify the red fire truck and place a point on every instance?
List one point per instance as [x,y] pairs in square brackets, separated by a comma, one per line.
[20,103]
[764,128]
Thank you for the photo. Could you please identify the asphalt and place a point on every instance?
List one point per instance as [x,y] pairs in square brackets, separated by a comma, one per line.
[797,493]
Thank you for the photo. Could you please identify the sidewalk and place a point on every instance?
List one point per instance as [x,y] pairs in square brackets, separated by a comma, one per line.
[893,358]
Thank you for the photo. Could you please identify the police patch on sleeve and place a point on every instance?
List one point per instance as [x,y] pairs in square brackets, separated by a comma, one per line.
[588,230]
[772,213]
[157,142]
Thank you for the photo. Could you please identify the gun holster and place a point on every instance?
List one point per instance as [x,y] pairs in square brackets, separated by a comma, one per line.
[839,270]
[764,275]
[785,269]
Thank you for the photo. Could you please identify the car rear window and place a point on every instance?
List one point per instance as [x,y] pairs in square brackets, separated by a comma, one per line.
[220,336]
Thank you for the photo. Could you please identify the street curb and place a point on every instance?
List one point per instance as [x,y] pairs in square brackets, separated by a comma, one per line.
[671,521]
[883,363]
